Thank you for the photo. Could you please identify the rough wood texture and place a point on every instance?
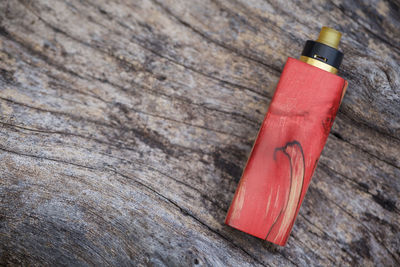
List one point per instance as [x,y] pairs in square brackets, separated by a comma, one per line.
[126,125]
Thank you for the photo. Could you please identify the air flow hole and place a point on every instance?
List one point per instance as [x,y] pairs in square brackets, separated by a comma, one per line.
[320,58]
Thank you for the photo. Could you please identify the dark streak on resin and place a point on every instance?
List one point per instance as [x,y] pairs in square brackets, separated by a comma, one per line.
[283,149]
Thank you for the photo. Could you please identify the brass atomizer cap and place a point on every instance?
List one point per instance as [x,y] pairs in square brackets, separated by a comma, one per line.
[323,52]
[329,37]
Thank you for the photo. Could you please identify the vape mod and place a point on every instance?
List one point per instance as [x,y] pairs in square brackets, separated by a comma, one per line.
[290,141]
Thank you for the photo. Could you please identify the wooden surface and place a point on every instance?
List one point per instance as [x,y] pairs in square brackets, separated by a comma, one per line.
[125,126]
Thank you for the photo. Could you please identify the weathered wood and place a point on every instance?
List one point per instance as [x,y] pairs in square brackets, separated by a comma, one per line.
[126,125]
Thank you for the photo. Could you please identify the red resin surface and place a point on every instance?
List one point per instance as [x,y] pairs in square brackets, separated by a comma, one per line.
[286,152]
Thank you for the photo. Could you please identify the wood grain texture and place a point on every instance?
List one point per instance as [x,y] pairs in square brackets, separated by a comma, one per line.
[125,126]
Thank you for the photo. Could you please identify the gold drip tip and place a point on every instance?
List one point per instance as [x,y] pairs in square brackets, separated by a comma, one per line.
[329,37]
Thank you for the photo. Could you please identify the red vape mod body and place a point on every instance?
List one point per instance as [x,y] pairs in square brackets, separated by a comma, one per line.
[290,141]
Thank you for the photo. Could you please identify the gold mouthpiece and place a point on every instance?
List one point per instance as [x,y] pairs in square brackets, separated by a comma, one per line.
[329,37]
